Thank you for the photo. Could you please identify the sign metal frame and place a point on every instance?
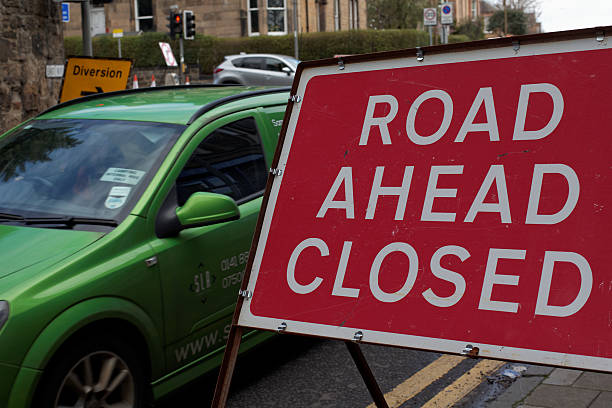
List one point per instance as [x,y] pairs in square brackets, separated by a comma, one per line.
[502,48]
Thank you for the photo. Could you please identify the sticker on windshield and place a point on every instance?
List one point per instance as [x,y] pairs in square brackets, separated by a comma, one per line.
[126,176]
[117,197]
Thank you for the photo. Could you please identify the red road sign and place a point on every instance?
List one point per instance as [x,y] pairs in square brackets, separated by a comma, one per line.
[464,199]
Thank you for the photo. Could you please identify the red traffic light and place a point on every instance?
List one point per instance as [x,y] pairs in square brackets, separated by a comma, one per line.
[175,25]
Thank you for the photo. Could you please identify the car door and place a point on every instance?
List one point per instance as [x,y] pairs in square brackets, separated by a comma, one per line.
[201,268]
[251,70]
[274,72]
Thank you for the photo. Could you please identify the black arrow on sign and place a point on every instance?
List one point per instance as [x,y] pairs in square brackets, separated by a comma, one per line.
[98,90]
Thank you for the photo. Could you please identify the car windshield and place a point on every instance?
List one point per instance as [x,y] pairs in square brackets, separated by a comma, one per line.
[85,169]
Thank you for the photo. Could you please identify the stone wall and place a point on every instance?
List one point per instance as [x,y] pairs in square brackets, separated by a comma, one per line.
[30,39]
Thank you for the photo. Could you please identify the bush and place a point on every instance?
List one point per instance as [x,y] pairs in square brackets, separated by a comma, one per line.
[207,52]
[458,38]
[474,30]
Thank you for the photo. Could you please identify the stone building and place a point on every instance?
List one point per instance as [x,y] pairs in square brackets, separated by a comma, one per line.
[224,18]
[466,10]
[30,39]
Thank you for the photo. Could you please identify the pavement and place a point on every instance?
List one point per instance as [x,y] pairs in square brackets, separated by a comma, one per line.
[549,387]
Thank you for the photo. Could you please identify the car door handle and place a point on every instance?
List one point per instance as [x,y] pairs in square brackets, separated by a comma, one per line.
[151,261]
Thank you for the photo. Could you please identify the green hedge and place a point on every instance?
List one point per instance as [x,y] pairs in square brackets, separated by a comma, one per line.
[207,52]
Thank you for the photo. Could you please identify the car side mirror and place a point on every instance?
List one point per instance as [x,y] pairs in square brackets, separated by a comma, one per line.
[287,70]
[204,208]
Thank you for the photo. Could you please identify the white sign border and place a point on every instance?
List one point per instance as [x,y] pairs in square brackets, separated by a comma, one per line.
[248,319]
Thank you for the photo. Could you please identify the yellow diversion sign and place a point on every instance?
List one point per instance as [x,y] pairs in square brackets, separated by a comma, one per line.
[85,76]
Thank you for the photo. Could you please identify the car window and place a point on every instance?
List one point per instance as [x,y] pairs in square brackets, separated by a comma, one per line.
[273,64]
[238,62]
[252,62]
[229,161]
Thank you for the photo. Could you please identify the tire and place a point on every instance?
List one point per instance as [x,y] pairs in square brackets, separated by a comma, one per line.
[94,372]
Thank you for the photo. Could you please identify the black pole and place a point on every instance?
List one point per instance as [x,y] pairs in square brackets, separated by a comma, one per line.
[86,28]
[366,374]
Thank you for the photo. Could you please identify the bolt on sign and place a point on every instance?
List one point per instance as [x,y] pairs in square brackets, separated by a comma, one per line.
[86,76]
[463,198]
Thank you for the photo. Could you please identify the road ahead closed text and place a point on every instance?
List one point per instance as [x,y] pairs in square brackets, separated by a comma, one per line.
[493,181]
[467,201]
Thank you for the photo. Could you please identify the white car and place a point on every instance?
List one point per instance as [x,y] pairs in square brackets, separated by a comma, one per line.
[256,69]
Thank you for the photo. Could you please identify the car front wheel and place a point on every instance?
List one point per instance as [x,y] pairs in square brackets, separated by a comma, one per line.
[96,373]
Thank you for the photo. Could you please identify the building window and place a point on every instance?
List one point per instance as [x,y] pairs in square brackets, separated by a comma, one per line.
[321,15]
[253,17]
[353,15]
[474,10]
[144,15]
[277,17]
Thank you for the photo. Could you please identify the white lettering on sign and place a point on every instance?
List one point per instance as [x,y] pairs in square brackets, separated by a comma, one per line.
[536,187]
[344,179]
[339,289]
[484,95]
[495,174]
[407,250]
[433,191]
[446,119]
[494,179]
[314,284]
[586,284]
[377,190]
[519,127]
[445,274]
[490,280]
[381,122]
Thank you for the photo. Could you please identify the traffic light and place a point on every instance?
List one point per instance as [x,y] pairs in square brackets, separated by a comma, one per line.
[188,25]
[175,24]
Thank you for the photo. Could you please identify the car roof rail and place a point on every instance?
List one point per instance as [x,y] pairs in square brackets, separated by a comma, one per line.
[222,101]
[139,90]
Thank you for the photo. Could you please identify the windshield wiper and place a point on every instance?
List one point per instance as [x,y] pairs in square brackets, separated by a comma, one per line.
[10,217]
[69,221]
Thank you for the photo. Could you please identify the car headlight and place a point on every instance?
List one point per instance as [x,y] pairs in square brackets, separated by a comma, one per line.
[4,312]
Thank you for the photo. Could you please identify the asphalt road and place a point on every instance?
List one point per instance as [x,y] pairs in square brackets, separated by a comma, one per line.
[293,371]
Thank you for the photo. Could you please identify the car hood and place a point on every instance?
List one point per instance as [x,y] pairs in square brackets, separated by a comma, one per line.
[23,247]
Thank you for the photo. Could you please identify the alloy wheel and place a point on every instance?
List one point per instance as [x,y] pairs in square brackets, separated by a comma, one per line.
[99,380]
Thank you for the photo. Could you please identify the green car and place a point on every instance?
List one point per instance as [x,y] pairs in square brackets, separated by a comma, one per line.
[125,225]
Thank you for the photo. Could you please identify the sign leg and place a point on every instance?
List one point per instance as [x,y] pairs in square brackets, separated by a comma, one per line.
[227,367]
[366,374]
